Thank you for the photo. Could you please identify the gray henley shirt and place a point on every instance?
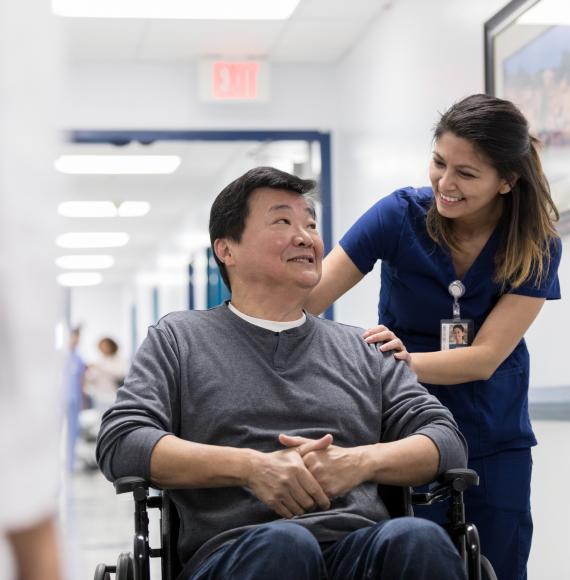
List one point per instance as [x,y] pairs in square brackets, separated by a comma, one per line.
[211,377]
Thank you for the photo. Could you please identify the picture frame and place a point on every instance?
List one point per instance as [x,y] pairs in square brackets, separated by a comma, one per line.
[529,64]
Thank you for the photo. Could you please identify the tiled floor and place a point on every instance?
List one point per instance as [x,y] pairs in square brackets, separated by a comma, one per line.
[97,524]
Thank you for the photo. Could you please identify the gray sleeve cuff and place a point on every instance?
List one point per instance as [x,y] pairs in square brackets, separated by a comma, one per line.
[132,453]
[450,443]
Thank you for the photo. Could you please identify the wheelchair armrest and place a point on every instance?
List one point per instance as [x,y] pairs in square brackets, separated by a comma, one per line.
[460,479]
[129,484]
[453,481]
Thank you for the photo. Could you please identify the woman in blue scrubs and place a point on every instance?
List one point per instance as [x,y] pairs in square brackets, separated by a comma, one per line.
[487,221]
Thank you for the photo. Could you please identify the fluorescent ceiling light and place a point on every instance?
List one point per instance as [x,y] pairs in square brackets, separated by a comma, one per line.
[85,262]
[92,240]
[95,209]
[547,12]
[80,279]
[184,9]
[117,164]
[134,208]
[87,209]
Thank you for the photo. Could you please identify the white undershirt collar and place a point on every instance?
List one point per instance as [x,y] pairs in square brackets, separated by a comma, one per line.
[269,324]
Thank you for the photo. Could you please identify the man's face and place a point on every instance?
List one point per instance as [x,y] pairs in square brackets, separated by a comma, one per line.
[280,245]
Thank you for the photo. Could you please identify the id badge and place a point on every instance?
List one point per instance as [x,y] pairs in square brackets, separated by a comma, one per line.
[456,333]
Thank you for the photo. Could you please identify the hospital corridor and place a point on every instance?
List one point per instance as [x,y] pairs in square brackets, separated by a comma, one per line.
[294,276]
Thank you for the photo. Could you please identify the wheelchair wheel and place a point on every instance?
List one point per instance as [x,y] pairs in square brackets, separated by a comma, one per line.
[125,567]
[487,572]
[101,573]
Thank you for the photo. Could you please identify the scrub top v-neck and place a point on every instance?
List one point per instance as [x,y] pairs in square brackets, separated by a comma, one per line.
[415,275]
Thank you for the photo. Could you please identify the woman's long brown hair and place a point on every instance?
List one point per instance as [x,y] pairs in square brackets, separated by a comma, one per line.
[499,131]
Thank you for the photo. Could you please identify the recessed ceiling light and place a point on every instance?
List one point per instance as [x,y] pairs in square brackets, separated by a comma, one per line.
[92,239]
[85,262]
[190,9]
[87,209]
[134,208]
[80,279]
[117,164]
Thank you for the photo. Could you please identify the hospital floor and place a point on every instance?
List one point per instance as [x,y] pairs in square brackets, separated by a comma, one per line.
[97,524]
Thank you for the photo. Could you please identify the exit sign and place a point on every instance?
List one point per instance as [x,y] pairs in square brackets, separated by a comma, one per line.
[234,81]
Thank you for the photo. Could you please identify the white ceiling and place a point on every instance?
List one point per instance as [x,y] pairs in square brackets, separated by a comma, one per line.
[319,31]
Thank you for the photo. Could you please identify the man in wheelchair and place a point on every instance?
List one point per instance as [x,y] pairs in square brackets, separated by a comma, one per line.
[273,427]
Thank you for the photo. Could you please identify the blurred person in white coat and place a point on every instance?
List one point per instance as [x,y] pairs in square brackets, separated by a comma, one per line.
[104,376]
[30,397]
[31,404]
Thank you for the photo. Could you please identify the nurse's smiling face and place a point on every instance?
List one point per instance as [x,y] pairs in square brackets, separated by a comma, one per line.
[466,186]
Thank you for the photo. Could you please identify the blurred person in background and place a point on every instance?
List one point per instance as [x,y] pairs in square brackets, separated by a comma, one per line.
[104,376]
[74,375]
[29,441]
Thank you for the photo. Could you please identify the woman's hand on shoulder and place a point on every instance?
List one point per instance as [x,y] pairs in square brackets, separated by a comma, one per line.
[387,341]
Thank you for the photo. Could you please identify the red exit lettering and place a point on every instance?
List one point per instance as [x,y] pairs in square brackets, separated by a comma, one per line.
[234,80]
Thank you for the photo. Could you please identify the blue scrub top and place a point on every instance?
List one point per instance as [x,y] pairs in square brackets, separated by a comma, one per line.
[415,274]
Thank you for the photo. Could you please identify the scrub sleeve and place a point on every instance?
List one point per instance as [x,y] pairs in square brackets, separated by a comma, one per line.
[492,414]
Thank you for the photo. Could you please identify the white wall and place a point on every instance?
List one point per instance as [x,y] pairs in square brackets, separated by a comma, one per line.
[548,337]
[165,96]
[550,474]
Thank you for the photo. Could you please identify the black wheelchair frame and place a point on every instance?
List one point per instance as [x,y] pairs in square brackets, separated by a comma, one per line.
[399,501]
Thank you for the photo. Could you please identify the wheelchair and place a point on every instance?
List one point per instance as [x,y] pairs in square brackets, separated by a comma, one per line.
[399,501]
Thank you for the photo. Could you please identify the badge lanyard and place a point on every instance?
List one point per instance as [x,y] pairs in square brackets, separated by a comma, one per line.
[456,332]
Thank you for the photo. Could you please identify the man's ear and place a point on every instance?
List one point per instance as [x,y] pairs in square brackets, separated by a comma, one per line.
[223,251]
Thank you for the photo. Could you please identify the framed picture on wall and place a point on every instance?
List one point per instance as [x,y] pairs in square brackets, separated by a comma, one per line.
[527,61]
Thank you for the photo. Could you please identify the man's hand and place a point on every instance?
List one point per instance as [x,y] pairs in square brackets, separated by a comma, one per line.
[282,481]
[337,469]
